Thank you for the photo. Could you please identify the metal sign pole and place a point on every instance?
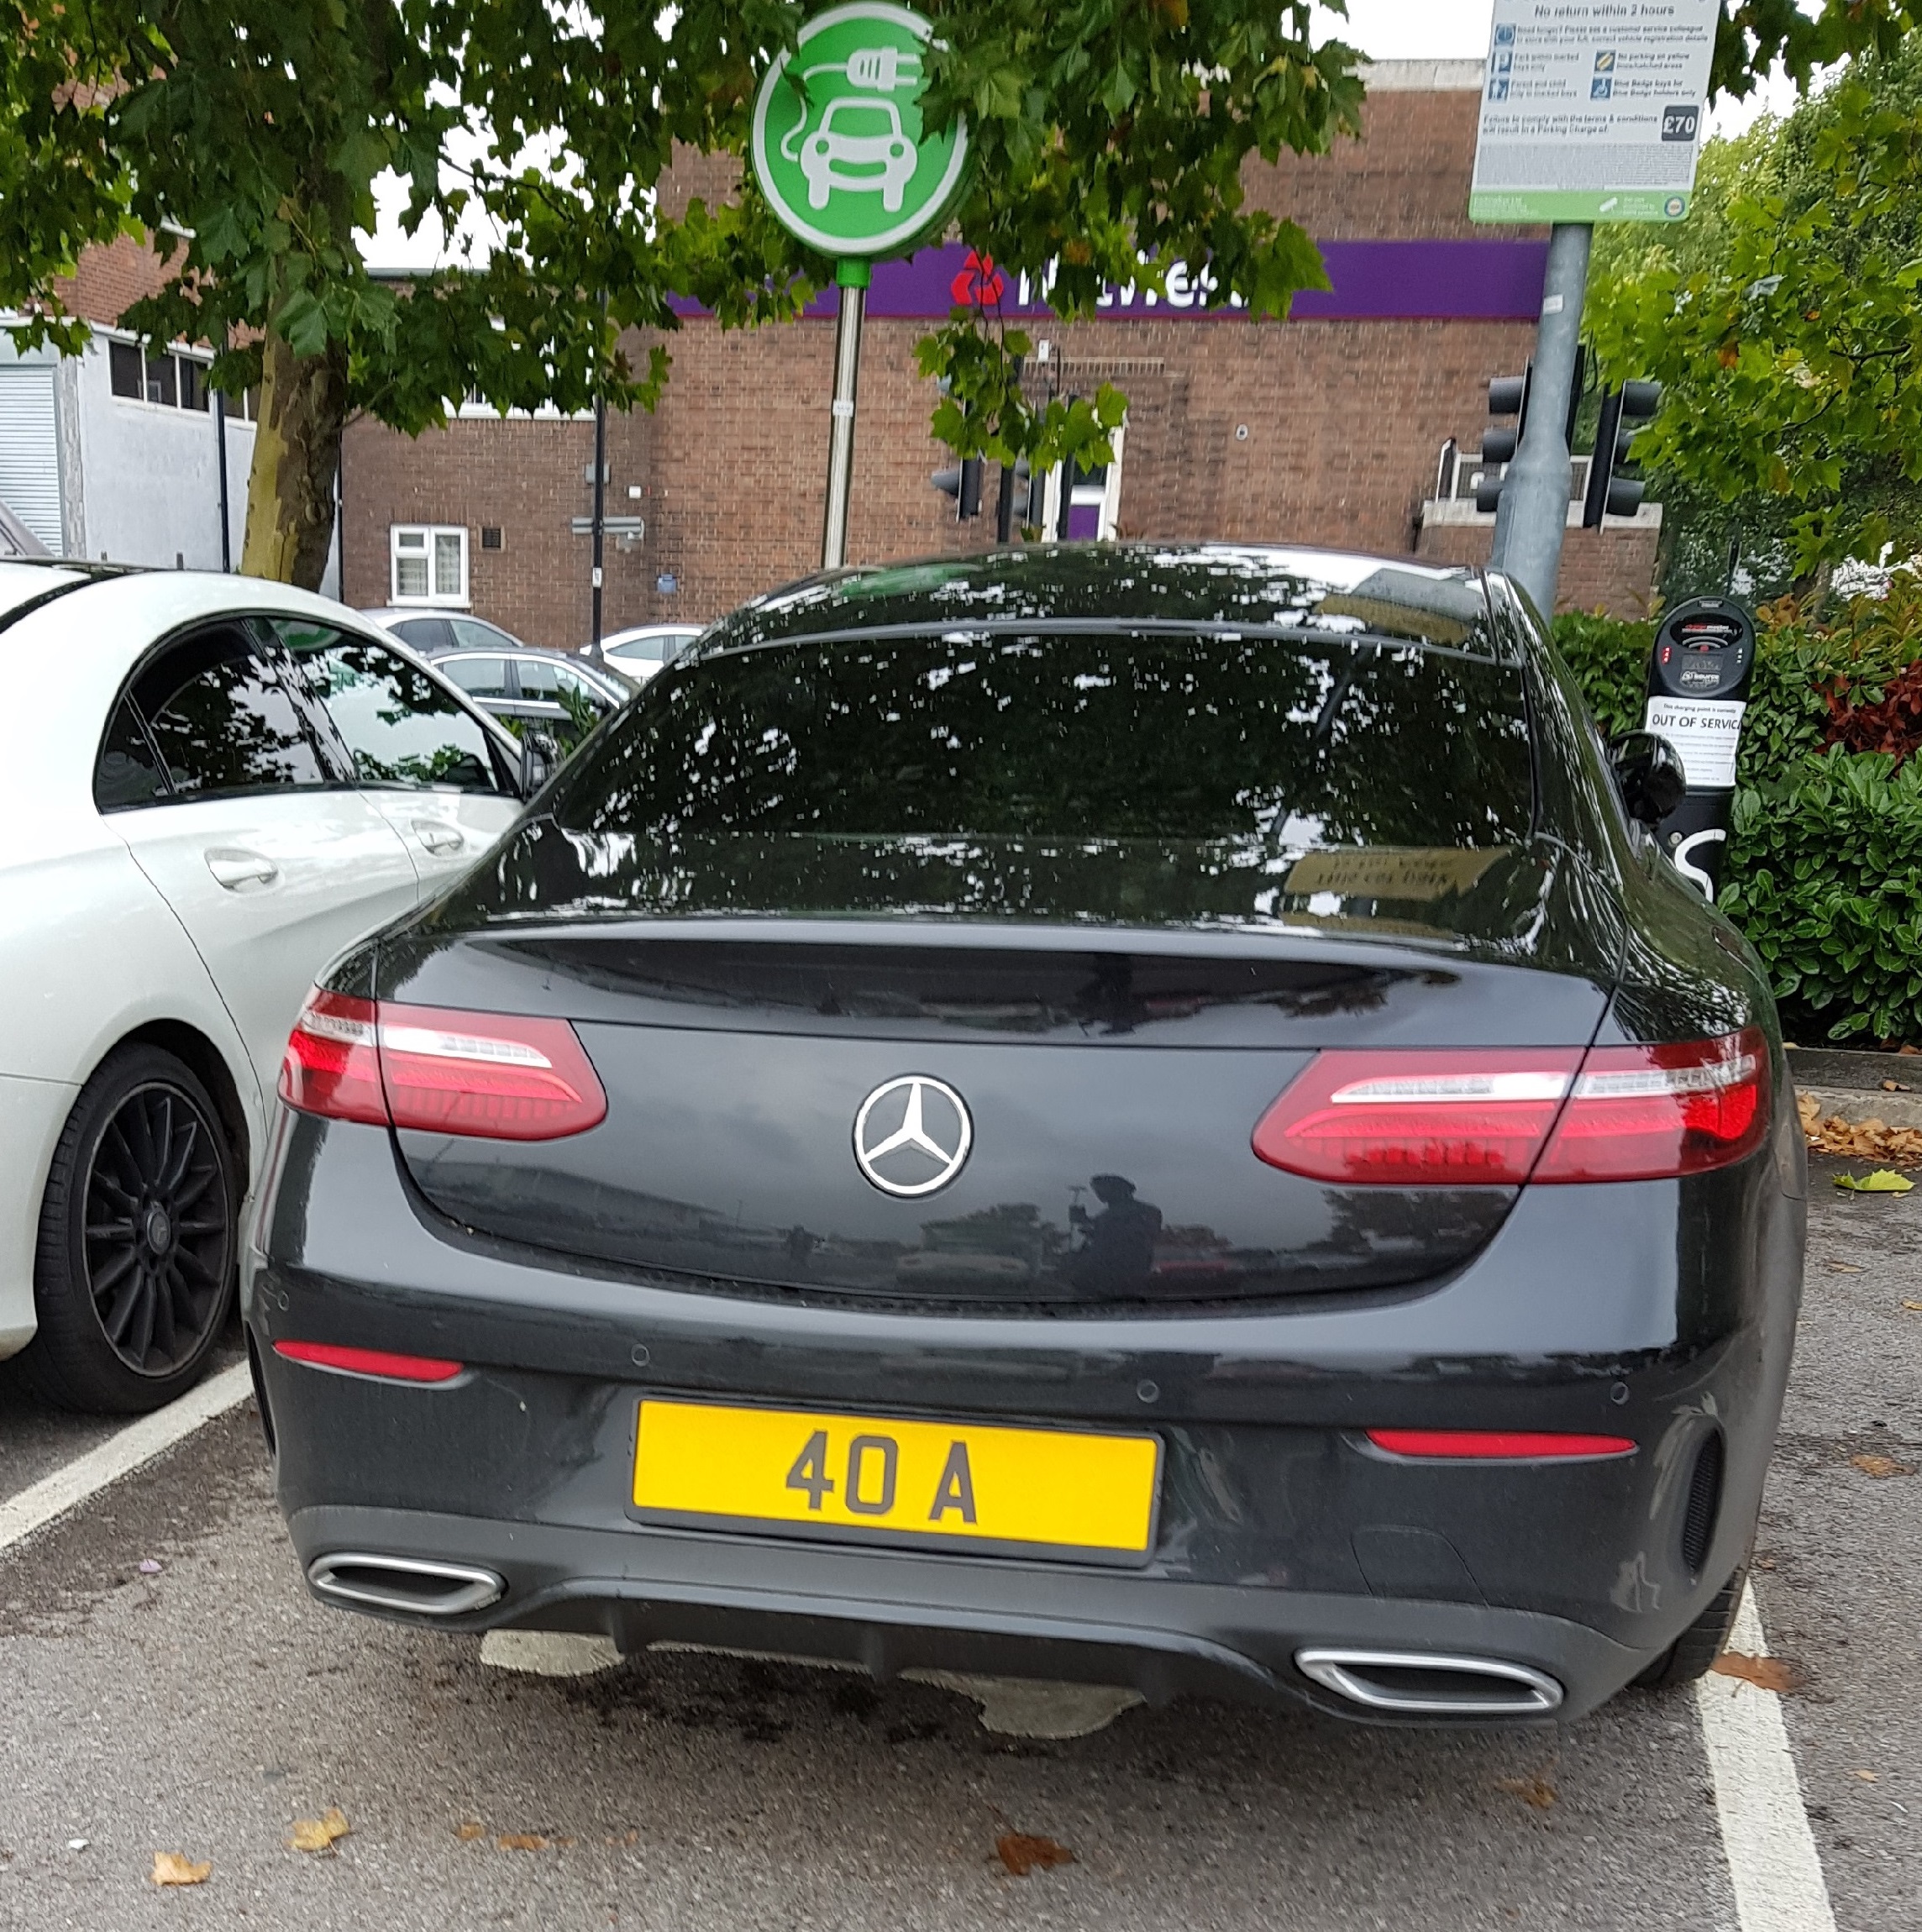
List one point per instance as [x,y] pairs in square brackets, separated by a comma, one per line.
[600,513]
[853,277]
[1533,512]
[220,457]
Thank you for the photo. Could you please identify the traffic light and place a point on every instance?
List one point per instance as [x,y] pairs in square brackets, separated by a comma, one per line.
[1608,492]
[963,484]
[1508,395]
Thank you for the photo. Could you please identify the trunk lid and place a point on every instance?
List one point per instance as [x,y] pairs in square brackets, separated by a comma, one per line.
[1111,1082]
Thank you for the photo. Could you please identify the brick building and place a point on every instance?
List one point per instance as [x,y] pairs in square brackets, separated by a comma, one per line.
[1331,428]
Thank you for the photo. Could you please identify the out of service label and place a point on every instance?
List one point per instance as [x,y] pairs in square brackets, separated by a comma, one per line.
[1705,732]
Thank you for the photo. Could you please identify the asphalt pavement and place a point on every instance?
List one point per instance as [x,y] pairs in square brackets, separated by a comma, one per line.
[205,1705]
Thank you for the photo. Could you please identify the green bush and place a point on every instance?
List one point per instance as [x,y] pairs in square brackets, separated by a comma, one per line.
[1825,863]
[1825,878]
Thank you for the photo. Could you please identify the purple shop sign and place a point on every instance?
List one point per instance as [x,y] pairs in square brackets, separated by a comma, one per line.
[1458,280]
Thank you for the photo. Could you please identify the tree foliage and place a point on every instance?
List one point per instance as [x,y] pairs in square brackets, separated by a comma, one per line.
[247,138]
[1784,320]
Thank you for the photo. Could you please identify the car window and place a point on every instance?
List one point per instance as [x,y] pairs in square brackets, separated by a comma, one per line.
[129,773]
[478,677]
[640,650]
[398,724]
[222,720]
[539,678]
[570,679]
[424,633]
[1262,746]
[473,634]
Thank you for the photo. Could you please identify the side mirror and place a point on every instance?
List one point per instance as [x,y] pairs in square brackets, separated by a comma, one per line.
[1649,774]
[540,758]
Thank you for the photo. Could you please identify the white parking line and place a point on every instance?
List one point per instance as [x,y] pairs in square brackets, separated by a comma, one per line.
[121,1454]
[1774,1865]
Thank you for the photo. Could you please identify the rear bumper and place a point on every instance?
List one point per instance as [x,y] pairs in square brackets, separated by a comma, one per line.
[1280,1527]
[893,1612]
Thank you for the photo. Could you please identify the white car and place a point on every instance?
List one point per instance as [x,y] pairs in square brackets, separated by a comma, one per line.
[872,157]
[635,655]
[226,782]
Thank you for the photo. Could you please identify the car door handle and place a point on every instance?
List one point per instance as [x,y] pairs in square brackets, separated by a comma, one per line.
[238,869]
[437,836]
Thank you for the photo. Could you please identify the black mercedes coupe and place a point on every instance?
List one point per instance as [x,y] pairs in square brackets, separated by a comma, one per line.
[1143,1115]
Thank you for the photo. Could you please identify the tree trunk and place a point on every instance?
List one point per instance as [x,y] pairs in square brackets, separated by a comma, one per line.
[296,455]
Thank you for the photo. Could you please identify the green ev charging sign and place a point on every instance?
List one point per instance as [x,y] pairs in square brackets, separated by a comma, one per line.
[838,145]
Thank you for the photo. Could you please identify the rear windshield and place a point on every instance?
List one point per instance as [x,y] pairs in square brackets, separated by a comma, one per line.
[1178,739]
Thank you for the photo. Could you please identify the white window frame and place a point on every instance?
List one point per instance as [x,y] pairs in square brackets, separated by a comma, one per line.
[438,597]
[1105,497]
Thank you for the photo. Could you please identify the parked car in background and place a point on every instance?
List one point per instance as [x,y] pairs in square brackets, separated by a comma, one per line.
[226,782]
[1147,1115]
[637,655]
[433,633]
[525,688]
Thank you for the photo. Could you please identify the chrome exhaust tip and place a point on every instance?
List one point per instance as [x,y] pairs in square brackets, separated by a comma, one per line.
[410,1583]
[1420,1684]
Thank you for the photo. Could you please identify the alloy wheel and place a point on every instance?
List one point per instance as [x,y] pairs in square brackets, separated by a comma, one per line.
[158,1228]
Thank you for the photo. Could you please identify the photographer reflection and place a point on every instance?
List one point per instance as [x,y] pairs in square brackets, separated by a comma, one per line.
[1117,1244]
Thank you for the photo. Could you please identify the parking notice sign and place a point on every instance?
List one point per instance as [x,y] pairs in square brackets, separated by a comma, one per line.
[1592,110]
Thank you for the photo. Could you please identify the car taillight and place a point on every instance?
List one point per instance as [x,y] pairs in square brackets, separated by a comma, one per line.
[1644,1113]
[1463,1117]
[495,1076]
[1418,1119]
[330,1066]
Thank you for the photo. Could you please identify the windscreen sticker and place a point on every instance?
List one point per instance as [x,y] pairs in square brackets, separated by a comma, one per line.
[1390,872]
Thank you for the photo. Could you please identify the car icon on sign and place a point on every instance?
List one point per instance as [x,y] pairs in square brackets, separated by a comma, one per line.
[884,156]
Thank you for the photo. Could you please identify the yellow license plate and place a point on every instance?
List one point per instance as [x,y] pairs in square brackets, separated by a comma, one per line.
[854,1476]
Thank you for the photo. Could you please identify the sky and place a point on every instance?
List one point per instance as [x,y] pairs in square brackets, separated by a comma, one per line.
[1384,30]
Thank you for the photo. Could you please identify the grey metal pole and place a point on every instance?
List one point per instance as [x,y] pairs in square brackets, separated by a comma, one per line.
[1533,512]
[841,433]
[220,452]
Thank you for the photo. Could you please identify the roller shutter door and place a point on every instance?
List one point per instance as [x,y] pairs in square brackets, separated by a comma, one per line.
[30,449]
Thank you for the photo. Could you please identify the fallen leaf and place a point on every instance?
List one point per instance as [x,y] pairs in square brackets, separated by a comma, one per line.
[1022,1854]
[1858,1140]
[175,1868]
[1781,1674]
[317,1834]
[1882,1466]
[469,1829]
[522,1841]
[1882,1181]
[1846,1268]
[1537,1791]
[1914,1307]
[1867,1777]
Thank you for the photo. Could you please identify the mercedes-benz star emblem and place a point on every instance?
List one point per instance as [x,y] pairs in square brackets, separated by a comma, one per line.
[912,1135]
